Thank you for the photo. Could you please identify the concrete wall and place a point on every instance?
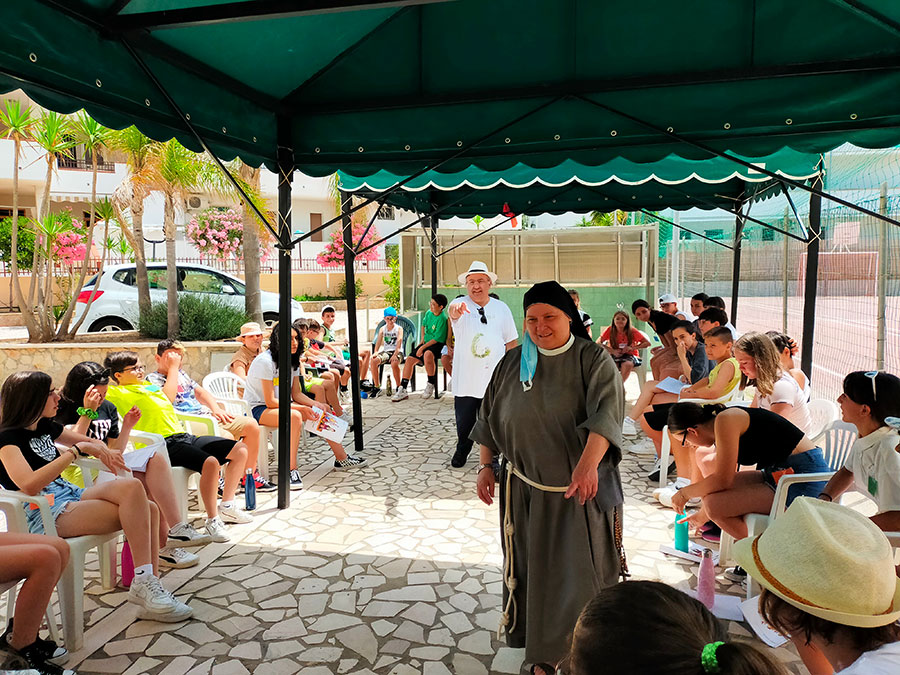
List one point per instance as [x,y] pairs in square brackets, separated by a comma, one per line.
[58,358]
[323,283]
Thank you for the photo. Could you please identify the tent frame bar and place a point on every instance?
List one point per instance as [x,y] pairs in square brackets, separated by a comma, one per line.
[793,206]
[355,248]
[737,160]
[431,167]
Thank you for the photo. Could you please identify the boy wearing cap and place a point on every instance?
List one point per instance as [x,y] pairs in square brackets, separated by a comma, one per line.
[668,303]
[388,349]
[829,584]
[483,331]
[251,339]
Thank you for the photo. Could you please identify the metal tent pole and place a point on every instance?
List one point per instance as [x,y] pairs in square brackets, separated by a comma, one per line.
[881,285]
[285,176]
[811,281]
[434,260]
[352,336]
[736,267]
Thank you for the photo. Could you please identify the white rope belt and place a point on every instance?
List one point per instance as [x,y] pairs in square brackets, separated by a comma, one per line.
[508,618]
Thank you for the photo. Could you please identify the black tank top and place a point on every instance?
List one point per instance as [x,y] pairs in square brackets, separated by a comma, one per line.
[769,440]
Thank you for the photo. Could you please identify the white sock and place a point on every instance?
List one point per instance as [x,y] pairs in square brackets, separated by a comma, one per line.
[143,571]
[226,505]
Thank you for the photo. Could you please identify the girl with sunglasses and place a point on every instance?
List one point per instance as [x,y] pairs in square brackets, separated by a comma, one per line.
[871,402]
[83,407]
[742,436]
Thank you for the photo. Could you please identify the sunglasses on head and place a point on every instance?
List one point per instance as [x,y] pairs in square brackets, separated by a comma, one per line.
[872,374]
[481,314]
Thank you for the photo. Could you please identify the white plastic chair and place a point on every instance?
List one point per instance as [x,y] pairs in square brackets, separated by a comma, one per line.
[822,412]
[70,588]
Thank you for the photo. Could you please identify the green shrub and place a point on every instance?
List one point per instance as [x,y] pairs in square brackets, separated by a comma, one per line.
[392,280]
[316,297]
[24,245]
[201,317]
[342,289]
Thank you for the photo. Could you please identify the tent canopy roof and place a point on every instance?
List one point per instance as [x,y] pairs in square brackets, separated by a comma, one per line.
[403,84]
[673,182]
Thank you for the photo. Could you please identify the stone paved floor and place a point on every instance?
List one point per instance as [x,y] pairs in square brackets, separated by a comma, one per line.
[389,569]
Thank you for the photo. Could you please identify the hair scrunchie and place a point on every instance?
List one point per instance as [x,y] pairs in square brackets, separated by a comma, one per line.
[708,658]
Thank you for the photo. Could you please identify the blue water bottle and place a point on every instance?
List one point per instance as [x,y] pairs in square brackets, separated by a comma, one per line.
[249,491]
[681,532]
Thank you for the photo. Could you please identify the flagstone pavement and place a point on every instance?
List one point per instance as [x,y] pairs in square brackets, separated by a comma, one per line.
[393,568]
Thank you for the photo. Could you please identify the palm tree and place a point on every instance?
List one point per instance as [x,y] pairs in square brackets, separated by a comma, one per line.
[93,136]
[141,160]
[53,132]
[250,177]
[18,123]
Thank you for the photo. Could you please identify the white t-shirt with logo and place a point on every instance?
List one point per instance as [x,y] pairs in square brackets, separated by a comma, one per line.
[478,347]
[262,368]
[875,465]
[786,390]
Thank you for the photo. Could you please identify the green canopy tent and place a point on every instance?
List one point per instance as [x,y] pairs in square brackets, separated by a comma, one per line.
[413,85]
[673,182]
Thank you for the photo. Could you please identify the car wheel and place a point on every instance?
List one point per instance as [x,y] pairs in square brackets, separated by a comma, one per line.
[270,319]
[110,324]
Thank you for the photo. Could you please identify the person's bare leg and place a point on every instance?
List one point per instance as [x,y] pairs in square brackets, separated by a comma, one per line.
[408,366]
[234,470]
[395,368]
[154,541]
[684,458]
[648,391]
[157,480]
[373,365]
[39,561]
[447,363]
[655,436]
[747,494]
[209,486]
[339,453]
[250,436]
[109,506]
[430,365]
[270,419]
[625,369]
[364,359]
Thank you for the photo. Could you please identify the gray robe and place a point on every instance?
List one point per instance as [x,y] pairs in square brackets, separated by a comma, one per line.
[564,553]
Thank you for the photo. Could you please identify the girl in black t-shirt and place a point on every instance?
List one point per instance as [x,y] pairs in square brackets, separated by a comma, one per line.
[31,462]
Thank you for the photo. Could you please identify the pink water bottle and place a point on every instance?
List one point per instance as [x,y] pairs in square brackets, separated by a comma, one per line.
[706,580]
[127,565]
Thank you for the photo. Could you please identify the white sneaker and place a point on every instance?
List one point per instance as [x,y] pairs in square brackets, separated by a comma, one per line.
[155,601]
[629,429]
[184,535]
[231,514]
[657,490]
[176,558]
[429,391]
[215,528]
[399,395]
[665,494]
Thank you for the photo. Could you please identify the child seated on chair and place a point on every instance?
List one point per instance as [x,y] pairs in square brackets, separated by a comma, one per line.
[30,461]
[83,407]
[623,342]
[388,349]
[204,455]
[427,352]
[324,386]
[871,402]
[189,397]
[251,339]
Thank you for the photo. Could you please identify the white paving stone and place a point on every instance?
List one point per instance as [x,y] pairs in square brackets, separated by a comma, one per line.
[361,640]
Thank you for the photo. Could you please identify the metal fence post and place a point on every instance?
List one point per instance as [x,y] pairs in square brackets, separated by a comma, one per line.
[811,281]
[882,278]
[785,280]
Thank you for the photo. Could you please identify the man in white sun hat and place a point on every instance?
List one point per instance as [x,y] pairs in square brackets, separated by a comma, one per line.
[829,583]
[483,330]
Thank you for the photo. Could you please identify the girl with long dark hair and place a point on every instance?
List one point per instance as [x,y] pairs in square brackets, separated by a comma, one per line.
[261,394]
[31,462]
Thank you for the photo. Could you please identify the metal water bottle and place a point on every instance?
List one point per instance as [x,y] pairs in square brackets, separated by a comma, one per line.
[681,533]
[706,580]
[249,491]
[388,389]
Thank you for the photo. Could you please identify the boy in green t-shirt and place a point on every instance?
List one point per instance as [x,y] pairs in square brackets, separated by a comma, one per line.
[204,454]
[434,337]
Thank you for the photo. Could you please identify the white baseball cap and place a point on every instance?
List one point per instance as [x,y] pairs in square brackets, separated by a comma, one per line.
[666,298]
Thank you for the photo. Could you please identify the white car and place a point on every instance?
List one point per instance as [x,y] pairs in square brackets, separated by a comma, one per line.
[115,305]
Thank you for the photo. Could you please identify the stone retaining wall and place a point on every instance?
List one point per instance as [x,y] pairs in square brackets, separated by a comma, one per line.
[58,358]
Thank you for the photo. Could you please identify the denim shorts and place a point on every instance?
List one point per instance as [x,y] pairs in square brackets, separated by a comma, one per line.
[810,461]
[257,411]
[63,493]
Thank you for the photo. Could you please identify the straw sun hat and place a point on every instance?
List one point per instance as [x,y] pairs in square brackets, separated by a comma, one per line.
[826,560]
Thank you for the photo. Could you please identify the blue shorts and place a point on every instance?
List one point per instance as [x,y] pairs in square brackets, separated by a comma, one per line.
[63,493]
[810,461]
[257,411]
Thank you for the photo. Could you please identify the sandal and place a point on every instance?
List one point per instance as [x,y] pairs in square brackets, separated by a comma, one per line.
[547,668]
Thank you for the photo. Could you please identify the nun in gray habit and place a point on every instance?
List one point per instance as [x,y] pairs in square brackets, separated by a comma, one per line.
[552,415]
